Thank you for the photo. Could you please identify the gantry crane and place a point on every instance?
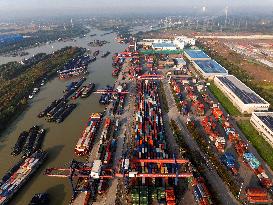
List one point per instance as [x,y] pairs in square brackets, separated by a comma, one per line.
[89,173]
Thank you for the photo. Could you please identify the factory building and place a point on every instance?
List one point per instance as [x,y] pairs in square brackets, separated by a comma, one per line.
[263,123]
[209,68]
[242,97]
[187,41]
[178,42]
[193,55]
[163,46]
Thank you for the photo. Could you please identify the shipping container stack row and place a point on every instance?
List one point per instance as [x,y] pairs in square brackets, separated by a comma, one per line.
[187,98]
[210,129]
[150,143]
[258,196]
[133,67]
[118,101]
[200,192]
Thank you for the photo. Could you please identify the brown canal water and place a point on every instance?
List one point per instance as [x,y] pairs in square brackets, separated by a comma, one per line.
[61,138]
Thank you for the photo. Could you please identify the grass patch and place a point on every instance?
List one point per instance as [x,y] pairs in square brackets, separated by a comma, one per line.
[263,147]
[225,102]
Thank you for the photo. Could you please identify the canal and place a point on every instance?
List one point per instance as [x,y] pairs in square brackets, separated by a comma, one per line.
[61,138]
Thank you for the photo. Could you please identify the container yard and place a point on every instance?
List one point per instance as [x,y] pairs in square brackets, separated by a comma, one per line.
[150,143]
[128,149]
[196,104]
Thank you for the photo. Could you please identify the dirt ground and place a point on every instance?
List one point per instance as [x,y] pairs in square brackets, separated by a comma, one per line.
[258,71]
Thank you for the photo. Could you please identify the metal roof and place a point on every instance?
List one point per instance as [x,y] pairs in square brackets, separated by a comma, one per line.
[266,118]
[196,54]
[166,45]
[210,66]
[246,95]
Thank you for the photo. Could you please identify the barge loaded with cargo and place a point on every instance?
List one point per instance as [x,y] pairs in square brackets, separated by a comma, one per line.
[88,90]
[76,67]
[85,142]
[18,175]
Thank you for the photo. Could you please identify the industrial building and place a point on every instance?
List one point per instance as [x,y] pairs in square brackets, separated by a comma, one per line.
[263,123]
[242,97]
[193,55]
[209,68]
[186,40]
[178,42]
[163,46]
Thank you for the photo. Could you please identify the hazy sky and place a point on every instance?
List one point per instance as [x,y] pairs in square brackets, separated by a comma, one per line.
[28,6]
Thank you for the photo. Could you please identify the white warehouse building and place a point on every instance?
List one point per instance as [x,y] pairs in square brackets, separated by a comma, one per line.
[179,42]
[263,123]
[186,40]
[241,96]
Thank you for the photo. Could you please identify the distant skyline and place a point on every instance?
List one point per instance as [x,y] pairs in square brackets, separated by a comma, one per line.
[55,7]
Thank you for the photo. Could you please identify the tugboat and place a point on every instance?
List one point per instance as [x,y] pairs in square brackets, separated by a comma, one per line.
[88,90]
[40,199]
[20,143]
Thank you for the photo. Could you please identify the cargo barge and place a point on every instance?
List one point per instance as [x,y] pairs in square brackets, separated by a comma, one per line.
[76,67]
[40,199]
[84,145]
[19,175]
[88,90]
[17,149]
[29,145]
[97,43]
[59,109]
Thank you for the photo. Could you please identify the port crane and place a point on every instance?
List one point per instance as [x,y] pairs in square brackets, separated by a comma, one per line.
[78,170]
[103,91]
[75,171]
[150,77]
[128,55]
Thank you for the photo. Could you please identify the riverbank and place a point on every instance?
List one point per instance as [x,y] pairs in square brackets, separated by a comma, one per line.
[61,138]
[15,90]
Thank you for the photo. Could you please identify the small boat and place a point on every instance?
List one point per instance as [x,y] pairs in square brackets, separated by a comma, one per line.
[96,53]
[40,199]
[104,55]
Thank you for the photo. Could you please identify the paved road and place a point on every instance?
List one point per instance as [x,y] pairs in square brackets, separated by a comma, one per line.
[222,190]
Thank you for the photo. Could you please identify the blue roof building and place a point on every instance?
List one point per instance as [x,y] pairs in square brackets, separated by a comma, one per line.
[193,55]
[209,68]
